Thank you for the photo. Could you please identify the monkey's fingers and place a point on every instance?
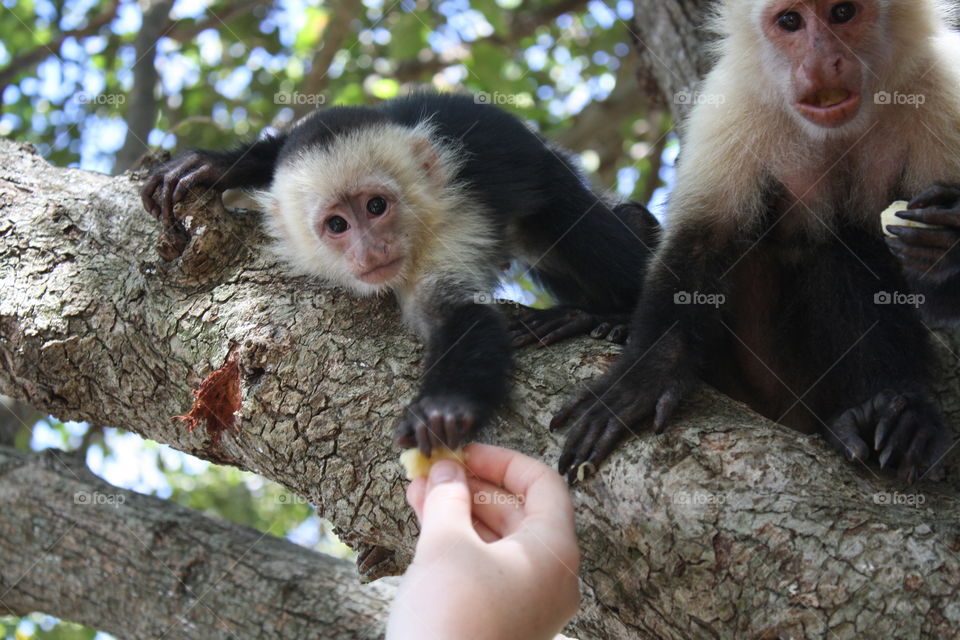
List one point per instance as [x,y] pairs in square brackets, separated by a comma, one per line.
[920,259]
[620,334]
[611,332]
[147,194]
[924,237]
[912,461]
[666,405]
[935,216]
[412,430]
[547,326]
[530,329]
[572,408]
[206,175]
[889,406]
[592,449]
[844,433]
[936,196]
[926,450]
[900,437]
[597,434]
[580,442]
[170,179]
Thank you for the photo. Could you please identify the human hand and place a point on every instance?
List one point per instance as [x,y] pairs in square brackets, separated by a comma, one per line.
[497,557]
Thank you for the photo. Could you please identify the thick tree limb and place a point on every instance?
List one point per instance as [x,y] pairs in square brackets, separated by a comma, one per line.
[141,567]
[725,526]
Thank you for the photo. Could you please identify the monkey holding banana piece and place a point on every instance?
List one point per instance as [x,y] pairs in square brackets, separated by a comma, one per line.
[773,282]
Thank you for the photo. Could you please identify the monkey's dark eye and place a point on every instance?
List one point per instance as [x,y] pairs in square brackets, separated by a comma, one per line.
[336,224]
[790,21]
[377,206]
[843,12]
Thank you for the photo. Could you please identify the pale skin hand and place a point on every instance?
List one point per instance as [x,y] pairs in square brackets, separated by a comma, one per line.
[497,567]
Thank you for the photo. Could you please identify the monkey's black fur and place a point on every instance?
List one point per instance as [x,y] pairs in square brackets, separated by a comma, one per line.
[815,333]
[590,256]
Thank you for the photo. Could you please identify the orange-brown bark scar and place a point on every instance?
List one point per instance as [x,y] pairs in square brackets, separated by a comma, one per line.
[216,401]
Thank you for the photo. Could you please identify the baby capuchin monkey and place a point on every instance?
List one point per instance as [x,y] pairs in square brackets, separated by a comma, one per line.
[428,196]
[773,282]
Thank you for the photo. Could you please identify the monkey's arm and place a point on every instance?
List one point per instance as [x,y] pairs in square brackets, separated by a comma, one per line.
[464,379]
[661,362]
[870,393]
[930,257]
[249,165]
[595,267]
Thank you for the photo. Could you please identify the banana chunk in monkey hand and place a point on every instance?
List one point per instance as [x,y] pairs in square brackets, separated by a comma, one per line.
[889,218]
[416,465]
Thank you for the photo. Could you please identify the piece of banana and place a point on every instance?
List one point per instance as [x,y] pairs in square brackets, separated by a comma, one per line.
[888,217]
[416,465]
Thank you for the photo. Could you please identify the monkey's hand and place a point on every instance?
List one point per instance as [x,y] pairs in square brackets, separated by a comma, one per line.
[435,420]
[904,428]
[612,407]
[546,326]
[171,181]
[930,252]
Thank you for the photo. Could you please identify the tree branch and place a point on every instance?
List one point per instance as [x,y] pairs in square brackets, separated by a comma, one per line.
[724,526]
[142,112]
[141,567]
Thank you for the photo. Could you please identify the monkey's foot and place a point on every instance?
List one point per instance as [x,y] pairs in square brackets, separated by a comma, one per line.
[610,409]
[934,251]
[437,420]
[904,428]
[546,326]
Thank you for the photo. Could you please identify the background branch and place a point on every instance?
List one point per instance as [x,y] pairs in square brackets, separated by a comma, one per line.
[141,567]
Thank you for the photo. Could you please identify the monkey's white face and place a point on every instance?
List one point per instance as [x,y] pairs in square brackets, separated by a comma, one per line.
[823,48]
[363,229]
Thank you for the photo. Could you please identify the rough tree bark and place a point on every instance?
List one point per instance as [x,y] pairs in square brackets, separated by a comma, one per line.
[725,526]
[141,567]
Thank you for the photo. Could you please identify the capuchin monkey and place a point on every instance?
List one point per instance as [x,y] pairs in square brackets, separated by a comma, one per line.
[773,282]
[428,196]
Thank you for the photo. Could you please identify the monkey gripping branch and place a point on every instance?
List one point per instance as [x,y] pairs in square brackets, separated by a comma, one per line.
[724,526]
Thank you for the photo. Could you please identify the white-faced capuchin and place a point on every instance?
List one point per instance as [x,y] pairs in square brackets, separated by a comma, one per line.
[773,282]
[428,196]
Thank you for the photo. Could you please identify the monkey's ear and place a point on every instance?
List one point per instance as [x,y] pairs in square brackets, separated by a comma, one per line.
[429,160]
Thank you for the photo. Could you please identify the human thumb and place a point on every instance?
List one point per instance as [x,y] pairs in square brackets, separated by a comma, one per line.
[446,508]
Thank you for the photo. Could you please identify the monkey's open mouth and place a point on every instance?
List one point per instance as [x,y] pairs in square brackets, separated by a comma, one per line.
[383,272]
[829,107]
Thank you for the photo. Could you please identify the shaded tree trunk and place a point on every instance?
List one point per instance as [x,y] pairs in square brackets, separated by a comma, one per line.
[142,111]
[725,526]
